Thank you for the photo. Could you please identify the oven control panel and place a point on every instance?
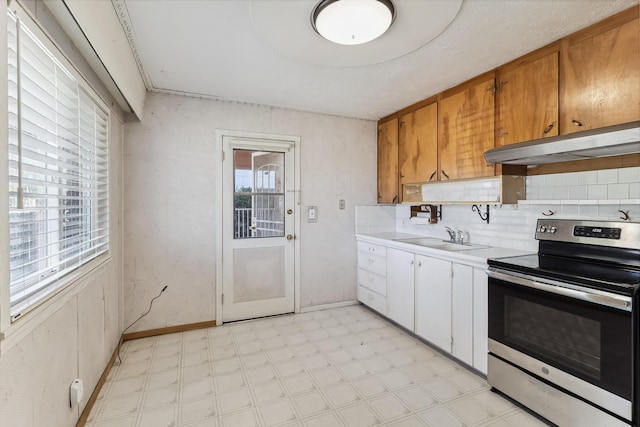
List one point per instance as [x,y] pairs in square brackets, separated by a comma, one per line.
[597,232]
[601,233]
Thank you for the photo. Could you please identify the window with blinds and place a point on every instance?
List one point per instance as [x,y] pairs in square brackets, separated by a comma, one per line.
[58,170]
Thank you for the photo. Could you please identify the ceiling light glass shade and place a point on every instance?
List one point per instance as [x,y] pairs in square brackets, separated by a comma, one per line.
[351,22]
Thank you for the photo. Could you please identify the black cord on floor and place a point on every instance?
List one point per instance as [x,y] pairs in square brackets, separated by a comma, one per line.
[134,322]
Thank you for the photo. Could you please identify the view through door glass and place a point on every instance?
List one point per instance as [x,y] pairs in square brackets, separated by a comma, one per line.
[258,197]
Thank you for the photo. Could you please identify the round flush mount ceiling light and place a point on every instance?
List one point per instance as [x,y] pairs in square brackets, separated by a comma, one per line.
[351,22]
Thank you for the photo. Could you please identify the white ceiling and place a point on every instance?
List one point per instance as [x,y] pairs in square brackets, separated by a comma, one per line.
[266,52]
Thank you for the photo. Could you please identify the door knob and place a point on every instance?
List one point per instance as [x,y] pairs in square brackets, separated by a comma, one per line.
[290,237]
[289,211]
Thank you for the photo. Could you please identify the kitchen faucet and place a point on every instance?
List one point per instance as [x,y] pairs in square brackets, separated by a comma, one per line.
[455,236]
[452,234]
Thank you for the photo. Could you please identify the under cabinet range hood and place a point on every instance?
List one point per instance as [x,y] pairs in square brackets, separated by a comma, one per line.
[603,142]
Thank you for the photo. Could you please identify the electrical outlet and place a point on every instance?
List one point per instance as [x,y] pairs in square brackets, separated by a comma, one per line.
[341,204]
[75,392]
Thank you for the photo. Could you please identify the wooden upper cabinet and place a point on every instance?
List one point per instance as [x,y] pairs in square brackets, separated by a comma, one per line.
[600,74]
[527,98]
[466,129]
[418,145]
[388,188]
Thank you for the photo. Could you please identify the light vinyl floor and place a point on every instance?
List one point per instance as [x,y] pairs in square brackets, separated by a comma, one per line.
[336,367]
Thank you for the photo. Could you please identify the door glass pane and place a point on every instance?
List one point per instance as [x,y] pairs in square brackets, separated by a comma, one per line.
[258,194]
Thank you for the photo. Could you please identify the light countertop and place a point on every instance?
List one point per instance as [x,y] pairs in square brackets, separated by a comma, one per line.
[473,256]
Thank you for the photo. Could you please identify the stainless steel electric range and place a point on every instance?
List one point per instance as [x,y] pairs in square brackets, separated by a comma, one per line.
[564,323]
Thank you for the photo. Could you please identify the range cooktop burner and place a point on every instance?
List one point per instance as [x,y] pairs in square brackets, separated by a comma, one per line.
[598,254]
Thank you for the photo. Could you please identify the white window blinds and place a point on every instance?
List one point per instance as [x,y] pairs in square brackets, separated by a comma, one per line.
[58,170]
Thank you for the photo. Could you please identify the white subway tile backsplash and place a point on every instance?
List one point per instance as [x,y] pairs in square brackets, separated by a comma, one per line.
[561,193]
[553,180]
[597,192]
[588,178]
[589,195]
[590,211]
[570,210]
[608,176]
[618,191]
[545,193]
[632,209]
[578,192]
[629,175]
[609,211]
[569,179]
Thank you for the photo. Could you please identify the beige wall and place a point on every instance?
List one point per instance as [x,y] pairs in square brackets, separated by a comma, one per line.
[170,162]
[72,337]
[74,334]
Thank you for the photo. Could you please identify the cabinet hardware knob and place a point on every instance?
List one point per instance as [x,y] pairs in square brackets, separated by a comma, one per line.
[289,211]
[419,263]
[411,262]
[548,128]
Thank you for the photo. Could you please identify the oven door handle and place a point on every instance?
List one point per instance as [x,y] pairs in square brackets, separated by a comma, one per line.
[595,296]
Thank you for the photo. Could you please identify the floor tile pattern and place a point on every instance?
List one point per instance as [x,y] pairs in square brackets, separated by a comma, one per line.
[337,367]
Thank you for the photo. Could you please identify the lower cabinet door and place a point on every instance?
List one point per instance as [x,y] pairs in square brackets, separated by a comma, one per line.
[433,301]
[400,289]
[480,319]
[462,313]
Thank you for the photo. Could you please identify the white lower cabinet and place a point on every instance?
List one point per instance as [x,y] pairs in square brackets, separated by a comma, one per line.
[372,276]
[442,301]
[480,319]
[462,313]
[400,287]
[444,306]
[433,301]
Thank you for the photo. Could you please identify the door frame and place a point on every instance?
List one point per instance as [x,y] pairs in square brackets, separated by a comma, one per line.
[219,176]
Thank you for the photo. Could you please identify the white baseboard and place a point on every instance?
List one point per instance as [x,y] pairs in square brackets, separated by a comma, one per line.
[327,306]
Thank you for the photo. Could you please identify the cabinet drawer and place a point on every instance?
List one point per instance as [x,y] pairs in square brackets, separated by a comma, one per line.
[373,263]
[372,281]
[373,300]
[370,248]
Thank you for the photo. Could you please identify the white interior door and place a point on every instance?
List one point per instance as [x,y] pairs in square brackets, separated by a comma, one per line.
[258,241]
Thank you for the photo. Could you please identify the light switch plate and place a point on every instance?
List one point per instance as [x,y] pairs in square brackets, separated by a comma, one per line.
[341,204]
[312,214]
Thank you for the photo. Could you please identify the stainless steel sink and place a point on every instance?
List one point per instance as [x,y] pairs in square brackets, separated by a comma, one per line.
[441,244]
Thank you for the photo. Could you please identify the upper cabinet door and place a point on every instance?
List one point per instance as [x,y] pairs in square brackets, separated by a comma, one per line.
[466,131]
[388,188]
[419,145]
[528,98]
[600,74]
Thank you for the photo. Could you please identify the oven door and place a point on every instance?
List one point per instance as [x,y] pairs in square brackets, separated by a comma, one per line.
[579,339]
